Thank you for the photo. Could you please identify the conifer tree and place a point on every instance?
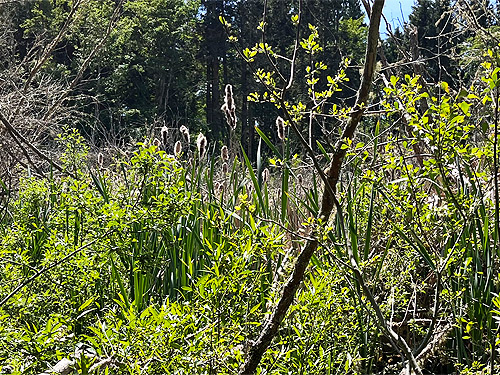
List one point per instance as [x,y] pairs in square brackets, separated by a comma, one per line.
[431,19]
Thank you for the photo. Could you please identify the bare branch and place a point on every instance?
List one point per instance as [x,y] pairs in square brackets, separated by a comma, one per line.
[18,137]
[87,61]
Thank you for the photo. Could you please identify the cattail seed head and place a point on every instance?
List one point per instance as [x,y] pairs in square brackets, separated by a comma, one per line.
[177,149]
[280,125]
[217,188]
[229,108]
[201,143]
[100,159]
[224,153]
[185,134]
[265,176]
[164,135]
[230,116]
[156,142]
[229,100]
[299,179]
[225,168]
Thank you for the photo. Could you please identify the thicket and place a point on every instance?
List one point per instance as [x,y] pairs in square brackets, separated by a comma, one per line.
[178,254]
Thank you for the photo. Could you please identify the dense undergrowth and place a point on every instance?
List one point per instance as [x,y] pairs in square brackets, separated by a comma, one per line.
[160,273]
[148,263]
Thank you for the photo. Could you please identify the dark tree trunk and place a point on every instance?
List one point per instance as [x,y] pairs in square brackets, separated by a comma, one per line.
[245,125]
[208,96]
[214,48]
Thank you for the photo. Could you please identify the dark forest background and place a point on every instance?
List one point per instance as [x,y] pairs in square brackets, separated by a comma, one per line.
[166,62]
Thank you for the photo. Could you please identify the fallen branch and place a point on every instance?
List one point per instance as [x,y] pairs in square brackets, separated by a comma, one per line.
[64,367]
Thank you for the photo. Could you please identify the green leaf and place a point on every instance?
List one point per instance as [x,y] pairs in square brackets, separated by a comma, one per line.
[268,142]
[417,244]
[254,179]
[86,303]
[323,151]
[464,106]
[369,224]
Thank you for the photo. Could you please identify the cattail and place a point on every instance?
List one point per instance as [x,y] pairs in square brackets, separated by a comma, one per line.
[100,159]
[229,98]
[201,143]
[164,135]
[217,188]
[177,148]
[185,134]
[230,116]
[224,153]
[225,168]
[156,142]
[229,108]
[226,111]
[265,176]
[280,124]
[299,179]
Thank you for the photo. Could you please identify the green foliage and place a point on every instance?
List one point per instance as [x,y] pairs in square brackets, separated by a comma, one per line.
[131,215]
[155,254]
[161,264]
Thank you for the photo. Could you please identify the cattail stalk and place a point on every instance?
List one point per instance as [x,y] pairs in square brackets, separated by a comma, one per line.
[100,159]
[265,176]
[229,108]
[164,136]
[185,135]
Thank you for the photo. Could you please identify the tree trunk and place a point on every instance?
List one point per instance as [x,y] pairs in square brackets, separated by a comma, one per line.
[270,329]
[209,111]
[245,126]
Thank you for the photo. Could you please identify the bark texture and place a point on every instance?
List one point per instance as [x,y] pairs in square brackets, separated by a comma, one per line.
[270,329]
